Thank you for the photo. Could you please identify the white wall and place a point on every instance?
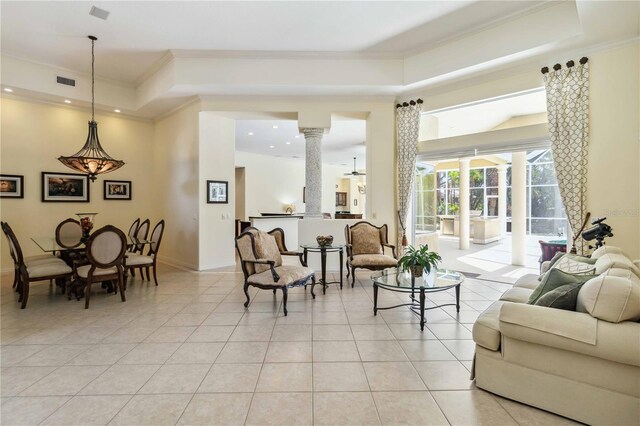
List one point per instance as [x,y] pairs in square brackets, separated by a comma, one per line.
[216,162]
[175,185]
[34,134]
[271,182]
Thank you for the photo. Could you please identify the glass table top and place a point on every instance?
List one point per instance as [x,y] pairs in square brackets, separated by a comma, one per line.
[319,247]
[49,244]
[441,280]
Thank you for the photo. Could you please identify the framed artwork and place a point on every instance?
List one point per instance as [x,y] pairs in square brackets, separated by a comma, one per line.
[117,189]
[65,187]
[217,192]
[11,186]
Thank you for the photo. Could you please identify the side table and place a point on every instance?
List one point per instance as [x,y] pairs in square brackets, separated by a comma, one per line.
[323,250]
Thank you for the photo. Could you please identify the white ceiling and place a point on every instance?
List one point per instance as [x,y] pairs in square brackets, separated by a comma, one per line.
[344,141]
[138,33]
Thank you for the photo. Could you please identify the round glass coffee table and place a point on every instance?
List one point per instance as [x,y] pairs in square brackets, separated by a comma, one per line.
[400,281]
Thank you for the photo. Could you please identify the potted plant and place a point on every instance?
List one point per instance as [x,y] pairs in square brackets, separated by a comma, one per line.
[419,260]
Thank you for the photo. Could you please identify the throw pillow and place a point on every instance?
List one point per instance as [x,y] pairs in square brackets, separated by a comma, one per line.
[563,297]
[575,265]
[571,257]
[610,298]
[554,279]
[266,248]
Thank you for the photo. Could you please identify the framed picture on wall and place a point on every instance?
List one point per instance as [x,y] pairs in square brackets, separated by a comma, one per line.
[117,189]
[11,186]
[65,187]
[217,192]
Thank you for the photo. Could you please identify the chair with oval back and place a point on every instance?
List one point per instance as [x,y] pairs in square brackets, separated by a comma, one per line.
[141,234]
[33,269]
[106,248]
[132,232]
[69,233]
[134,260]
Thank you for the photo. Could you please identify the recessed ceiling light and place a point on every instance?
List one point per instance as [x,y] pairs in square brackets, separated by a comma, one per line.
[67,101]
[288,143]
[250,133]
[297,136]
[275,126]
[6,89]
[116,110]
[271,146]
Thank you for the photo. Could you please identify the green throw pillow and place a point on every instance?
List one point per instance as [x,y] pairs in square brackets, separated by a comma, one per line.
[554,279]
[564,297]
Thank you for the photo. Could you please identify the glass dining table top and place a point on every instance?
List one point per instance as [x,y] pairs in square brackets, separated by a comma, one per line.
[49,244]
[392,278]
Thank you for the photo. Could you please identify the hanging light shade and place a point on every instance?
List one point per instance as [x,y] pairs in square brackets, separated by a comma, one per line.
[92,159]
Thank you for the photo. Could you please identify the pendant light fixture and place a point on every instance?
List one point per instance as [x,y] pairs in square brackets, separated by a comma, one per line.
[92,159]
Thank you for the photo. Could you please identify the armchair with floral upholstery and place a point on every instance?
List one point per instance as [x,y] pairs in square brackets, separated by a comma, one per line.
[262,266]
[365,245]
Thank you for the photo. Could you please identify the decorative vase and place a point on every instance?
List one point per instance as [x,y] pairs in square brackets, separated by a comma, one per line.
[86,223]
[416,271]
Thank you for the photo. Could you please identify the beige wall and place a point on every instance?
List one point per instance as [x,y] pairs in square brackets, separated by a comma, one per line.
[33,135]
[271,182]
[614,148]
[175,184]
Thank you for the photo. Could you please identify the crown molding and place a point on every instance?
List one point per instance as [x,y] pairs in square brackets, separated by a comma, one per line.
[254,54]
[157,66]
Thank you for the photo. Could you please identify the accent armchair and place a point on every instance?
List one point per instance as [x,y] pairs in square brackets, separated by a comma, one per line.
[278,234]
[262,266]
[365,245]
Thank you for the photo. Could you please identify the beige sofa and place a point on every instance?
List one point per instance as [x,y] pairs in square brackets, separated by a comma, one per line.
[584,365]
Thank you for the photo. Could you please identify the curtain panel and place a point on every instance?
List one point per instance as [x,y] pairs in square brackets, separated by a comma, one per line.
[568,114]
[408,126]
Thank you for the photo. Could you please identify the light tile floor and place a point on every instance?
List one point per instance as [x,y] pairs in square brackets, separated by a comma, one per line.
[188,352]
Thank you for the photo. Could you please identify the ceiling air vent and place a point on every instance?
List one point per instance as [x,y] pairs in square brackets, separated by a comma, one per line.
[66,81]
[99,13]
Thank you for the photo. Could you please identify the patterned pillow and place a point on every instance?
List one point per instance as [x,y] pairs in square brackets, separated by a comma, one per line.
[563,297]
[571,265]
[266,248]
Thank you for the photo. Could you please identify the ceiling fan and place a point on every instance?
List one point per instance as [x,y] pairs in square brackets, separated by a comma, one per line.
[355,172]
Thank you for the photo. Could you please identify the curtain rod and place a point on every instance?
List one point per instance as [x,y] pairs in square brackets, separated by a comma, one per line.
[557,67]
[405,104]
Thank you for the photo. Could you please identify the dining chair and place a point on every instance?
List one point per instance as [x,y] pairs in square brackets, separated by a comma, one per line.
[132,232]
[141,234]
[105,251]
[69,233]
[365,243]
[262,266]
[35,268]
[140,261]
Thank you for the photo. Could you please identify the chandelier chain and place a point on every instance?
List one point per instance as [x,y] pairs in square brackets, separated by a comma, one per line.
[93,80]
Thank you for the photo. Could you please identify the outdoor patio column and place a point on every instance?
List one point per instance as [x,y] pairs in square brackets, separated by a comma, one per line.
[313,172]
[518,208]
[502,198]
[464,204]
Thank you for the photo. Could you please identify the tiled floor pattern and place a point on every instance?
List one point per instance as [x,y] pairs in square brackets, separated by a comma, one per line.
[187,352]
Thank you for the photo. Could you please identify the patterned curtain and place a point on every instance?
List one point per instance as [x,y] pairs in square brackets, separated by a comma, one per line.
[568,114]
[408,125]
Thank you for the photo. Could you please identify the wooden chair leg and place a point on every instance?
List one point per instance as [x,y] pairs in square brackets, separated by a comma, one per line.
[87,294]
[274,290]
[148,275]
[121,285]
[246,293]
[25,293]
[353,276]
[285,292]
[155,277]
[313,284]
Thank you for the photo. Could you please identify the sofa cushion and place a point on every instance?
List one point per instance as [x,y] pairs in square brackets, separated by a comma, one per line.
[486,329]
[364,260]
[610,298]
[563,297]
[266,248]
[554,279]
[607,261]
[517,295]
[600,251]
[529,281]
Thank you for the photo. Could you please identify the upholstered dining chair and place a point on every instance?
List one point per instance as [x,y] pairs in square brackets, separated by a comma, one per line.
[31,269]
[262,266]
[69,236]
[105,252]
[132,232]
[135,260]
[141,234]
[365,245]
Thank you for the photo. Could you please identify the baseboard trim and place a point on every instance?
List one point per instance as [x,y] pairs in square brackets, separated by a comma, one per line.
[178,264]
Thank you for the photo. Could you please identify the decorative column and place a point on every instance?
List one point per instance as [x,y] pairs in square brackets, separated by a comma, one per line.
[518,208]
[313,171]
[502,198]
[464,204]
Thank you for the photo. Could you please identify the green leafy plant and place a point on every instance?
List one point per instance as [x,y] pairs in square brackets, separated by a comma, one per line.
[418,260]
